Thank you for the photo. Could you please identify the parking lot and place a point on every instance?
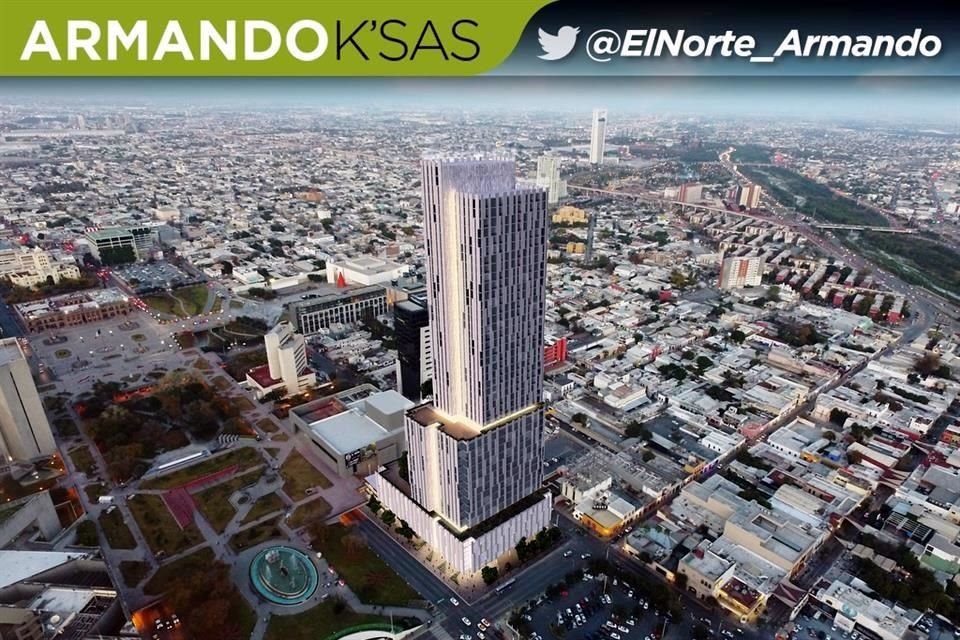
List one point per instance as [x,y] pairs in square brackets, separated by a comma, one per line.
[559,450]
[600,608]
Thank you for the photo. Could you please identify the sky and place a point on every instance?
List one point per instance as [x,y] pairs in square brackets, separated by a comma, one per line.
[883,99]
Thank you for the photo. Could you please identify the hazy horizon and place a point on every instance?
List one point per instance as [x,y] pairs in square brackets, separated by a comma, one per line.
[894,100]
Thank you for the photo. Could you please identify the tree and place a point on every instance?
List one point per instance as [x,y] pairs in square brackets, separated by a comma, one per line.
[927,364]
[838,417]
[522,549]
[580,418]
[830,435]
[489,574]
[122,461]
[374,504]
[680,579]
[405,530]
[637,430]
[388,517]
[737,336]
[110,256]
[703,363]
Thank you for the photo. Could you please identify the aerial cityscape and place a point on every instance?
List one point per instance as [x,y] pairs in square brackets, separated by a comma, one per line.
[383,369]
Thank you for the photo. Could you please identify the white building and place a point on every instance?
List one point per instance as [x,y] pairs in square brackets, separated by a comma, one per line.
[355,438]
[739,272]
[30,267]
[853,607]
[286,366]
[363,271]
[548,177]
[475,453]
[598,134]
[24,430]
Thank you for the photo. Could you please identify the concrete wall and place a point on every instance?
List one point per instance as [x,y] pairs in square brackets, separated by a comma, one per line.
[37,510]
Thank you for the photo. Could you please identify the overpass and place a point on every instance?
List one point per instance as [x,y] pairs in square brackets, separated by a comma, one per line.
[656,199]
[650,197]
[855,227]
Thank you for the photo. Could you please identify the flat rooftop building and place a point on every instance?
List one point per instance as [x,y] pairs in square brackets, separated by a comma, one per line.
[364,271]
[357,437]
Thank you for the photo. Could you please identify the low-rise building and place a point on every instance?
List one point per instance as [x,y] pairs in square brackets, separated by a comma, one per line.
[73,309]
[358,437]
[363,271]
[313,313]
[853,607]
[31,267]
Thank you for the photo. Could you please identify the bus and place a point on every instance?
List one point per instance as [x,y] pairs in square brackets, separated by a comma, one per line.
[506,585]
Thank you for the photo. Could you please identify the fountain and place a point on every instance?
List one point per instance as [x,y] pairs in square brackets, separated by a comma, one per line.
[283,575]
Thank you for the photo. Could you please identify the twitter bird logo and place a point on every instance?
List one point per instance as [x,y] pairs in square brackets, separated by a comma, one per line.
[557,47]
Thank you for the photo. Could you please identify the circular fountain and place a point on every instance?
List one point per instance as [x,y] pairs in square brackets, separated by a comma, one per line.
[283,575]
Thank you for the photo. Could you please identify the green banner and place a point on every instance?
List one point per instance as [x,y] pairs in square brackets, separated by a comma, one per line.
[259,37]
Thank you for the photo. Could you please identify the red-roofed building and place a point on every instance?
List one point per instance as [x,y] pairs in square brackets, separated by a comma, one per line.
[286,366]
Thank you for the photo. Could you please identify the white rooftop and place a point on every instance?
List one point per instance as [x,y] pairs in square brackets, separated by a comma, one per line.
[348,431]
[20,565]
[388,402]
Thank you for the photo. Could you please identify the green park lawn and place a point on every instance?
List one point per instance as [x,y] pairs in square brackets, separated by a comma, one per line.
[158,526]
[299,475]
[368,576]
[116,530]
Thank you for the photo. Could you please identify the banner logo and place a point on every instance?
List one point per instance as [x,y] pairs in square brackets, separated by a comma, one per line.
[558,47]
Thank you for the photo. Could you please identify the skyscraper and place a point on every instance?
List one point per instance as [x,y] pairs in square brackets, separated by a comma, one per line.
[411,330]
[738,272]
[598,134]
[24,429]
[548,177]
[476,451]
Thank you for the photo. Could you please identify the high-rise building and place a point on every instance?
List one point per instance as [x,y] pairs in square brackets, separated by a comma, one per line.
[286,366]
[690,193]
[475,451]
[750,196]
[548,177]
[747,197]
[738,272]
[598,134]
[411,329]
[24,430]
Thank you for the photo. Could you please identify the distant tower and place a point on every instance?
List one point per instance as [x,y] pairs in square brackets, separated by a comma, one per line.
[598,135]
[591,225]
[548,177]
